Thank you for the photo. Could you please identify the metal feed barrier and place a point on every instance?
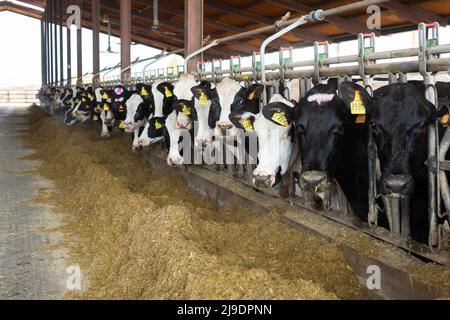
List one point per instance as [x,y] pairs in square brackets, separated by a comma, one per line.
[365,67]
[17,96]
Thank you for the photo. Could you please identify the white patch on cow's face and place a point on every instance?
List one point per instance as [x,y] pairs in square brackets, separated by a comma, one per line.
[158,98]
[275,146]
[132,106]
[294,89]
[204,133]
[320,98]
[98,95]
[227,90]
[182,90]
[174,157]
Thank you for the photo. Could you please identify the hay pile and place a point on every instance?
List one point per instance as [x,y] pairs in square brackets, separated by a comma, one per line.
[140,233]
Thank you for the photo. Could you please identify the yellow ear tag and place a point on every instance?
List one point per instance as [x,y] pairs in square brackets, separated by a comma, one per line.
[247,124]
[203,99]
[144,92]
[158,125]
[252,96]
[444,120]
[83,100]
[186,110]
[168,93]
[105,107]
[357,106]
[122,125]
[360,119]
[98,108]
[280,118]
[95,118]
[105,96]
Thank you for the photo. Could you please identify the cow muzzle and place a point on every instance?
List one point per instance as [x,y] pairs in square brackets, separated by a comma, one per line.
[261,181]
[402,185]
[225,125]
[183,124]
[314,181]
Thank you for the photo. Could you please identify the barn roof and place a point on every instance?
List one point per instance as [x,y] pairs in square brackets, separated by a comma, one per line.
[227,17]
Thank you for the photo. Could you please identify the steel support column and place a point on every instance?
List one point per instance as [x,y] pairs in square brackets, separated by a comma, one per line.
[80,50]
[193,34]
[50,16]
[96,40]
[55,35]
[125,38]
[61,43]
[69,51]
[43,58]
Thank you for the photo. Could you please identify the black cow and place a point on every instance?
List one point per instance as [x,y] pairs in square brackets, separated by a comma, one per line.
[400,118]
[332,133]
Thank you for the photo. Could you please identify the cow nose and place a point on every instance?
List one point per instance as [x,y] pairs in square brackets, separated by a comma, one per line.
[225,126]
[312,181]
[261,181]
[399,184]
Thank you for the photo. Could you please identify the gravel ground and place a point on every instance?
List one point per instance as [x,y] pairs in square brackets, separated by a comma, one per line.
[28,268]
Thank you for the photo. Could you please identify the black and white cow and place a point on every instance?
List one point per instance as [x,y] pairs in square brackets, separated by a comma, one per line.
[155,129]
[277,153]
[140,106]
[232,96]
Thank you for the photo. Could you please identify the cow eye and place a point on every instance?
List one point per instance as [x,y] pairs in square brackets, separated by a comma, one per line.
[300,128]
[337,130]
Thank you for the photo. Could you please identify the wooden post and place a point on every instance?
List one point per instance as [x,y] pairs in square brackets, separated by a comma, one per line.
[80,49]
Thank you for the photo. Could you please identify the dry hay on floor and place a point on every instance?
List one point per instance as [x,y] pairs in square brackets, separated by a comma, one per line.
[140,233]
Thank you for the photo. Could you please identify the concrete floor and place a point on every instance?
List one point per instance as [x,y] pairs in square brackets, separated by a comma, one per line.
[29,269]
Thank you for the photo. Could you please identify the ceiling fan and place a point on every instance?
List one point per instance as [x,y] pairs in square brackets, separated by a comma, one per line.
[108,22]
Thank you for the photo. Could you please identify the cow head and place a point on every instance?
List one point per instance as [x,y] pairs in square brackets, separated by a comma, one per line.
[119,97]
[163,96]
[273,127]
[186,114]
[132,105]
[230,94]
[207,107]
[321,119]
[399,125]
[154,131]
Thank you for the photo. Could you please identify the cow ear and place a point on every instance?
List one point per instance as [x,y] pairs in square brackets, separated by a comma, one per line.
[202,92]
[242,120]
[183,107]
[357,100]
[254,91]
[279,113]
[166,89]
[442,115]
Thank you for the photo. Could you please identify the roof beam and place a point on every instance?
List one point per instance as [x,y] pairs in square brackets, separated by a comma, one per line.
[309,36]
[413,13]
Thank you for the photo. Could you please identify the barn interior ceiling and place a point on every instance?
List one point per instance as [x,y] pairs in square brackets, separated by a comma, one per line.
[227,17]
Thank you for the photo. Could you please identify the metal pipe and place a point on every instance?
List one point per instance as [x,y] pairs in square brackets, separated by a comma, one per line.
[196,53]
[445,189]
[69,53]
[396,220]
[155,26]
[50,10]
[80,50]
[298,22]
[405,217]
[55,26]
[61,44]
